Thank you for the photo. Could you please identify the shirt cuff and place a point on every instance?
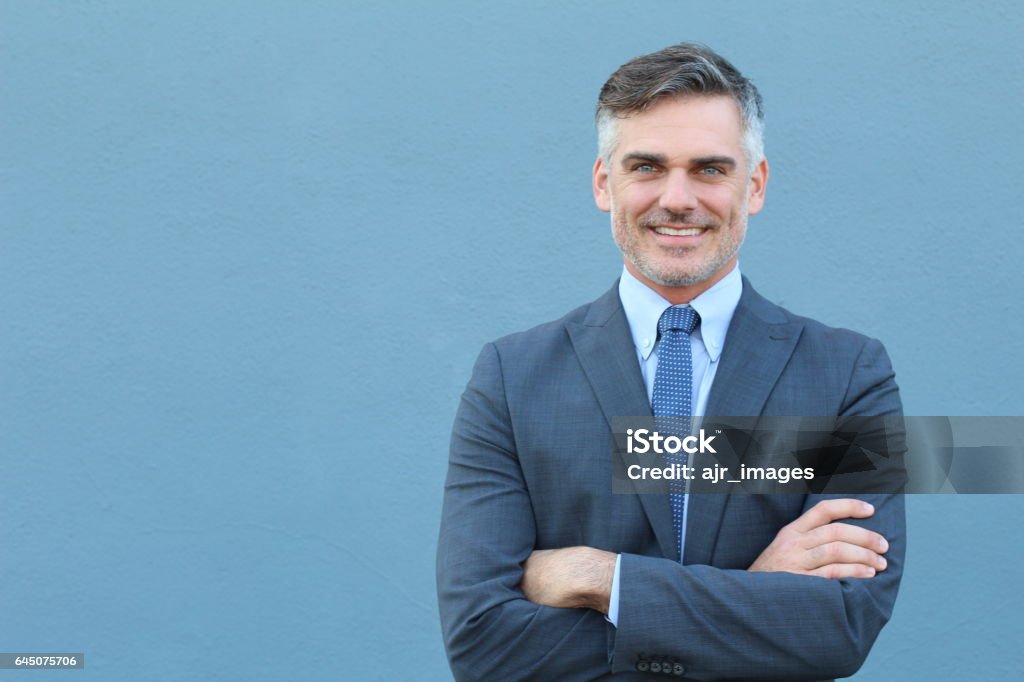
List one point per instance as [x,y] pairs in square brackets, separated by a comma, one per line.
[613,600]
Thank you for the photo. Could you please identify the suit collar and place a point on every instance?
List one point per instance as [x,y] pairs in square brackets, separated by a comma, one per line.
[759,343]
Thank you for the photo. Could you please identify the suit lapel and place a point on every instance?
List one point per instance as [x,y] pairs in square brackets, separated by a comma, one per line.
[604,346]
[759,343]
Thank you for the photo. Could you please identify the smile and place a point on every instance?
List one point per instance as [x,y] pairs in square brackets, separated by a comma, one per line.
[680,231]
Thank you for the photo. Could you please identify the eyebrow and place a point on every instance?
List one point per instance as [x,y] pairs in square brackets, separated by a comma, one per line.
[714,161]
[661,159]
[632,157]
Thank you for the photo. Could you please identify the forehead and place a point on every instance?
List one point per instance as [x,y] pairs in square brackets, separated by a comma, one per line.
[685,125]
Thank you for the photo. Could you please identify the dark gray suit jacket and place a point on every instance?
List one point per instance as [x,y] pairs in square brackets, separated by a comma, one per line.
[531,468]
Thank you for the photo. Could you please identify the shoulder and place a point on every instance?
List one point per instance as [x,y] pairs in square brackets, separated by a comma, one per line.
[832,370]
[546,355]
[813,334]
[556,332]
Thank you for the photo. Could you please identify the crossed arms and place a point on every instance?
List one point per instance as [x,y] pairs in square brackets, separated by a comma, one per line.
[817,544]
[808,607]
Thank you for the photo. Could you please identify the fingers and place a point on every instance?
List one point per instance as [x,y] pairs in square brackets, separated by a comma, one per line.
[843,553]
[842,543]
[843,571]
[816,544]
[827,511]
[850,534]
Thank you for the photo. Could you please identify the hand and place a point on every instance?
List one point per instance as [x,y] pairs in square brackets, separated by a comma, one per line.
[572,577]
[814,545]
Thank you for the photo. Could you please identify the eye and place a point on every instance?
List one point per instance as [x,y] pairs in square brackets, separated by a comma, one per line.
[643,168]
[711,170]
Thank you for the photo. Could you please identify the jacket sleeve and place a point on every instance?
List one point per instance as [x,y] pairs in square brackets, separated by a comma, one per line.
[736,624]
[491,631]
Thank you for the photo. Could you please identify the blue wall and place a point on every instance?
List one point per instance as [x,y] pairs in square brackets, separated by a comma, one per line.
[222,223]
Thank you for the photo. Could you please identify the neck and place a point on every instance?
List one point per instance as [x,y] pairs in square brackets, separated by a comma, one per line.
[685,293]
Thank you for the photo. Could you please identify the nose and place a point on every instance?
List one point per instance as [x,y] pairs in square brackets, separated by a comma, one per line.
[678,195]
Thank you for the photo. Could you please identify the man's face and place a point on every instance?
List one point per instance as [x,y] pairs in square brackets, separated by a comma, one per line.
[679,192]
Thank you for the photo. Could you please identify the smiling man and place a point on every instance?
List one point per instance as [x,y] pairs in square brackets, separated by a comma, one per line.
[543,573]
[677,186]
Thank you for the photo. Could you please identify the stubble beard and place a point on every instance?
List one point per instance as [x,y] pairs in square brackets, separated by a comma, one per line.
[665,268]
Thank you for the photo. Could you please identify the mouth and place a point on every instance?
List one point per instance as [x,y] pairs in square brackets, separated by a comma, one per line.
[679,231]
[680,236]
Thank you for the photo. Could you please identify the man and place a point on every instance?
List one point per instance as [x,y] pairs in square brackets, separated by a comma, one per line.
[543,573]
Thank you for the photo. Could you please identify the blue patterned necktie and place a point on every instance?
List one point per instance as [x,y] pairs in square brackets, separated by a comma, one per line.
[673,389]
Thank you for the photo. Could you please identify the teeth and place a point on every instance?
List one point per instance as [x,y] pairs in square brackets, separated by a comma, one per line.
[689,232]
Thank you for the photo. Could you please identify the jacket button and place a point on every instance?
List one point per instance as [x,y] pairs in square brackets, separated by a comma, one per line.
[655,667]
[643,666]
[678,670]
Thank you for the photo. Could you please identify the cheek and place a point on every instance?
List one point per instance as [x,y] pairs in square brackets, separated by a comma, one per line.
[722,201]
[636,200]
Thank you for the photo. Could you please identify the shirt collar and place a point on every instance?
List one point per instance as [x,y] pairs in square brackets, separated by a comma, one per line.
[644,306]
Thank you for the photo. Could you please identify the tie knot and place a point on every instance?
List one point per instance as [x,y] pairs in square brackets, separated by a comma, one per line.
[680,318]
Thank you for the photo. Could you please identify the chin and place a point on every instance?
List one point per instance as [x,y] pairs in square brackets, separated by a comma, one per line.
[676,277]
[679,281]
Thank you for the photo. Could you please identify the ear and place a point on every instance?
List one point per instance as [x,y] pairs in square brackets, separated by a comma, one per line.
[757,186]
[601,196]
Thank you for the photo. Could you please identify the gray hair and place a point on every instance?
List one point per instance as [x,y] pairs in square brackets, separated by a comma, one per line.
[677,71]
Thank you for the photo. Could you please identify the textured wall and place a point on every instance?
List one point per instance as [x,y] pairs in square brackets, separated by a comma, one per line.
[249,251]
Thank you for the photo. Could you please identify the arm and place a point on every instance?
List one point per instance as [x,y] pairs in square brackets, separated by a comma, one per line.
[814,546]
[491,630]
[750,624]
[770,621]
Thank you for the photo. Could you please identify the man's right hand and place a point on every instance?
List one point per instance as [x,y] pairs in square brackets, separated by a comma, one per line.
[815,544]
